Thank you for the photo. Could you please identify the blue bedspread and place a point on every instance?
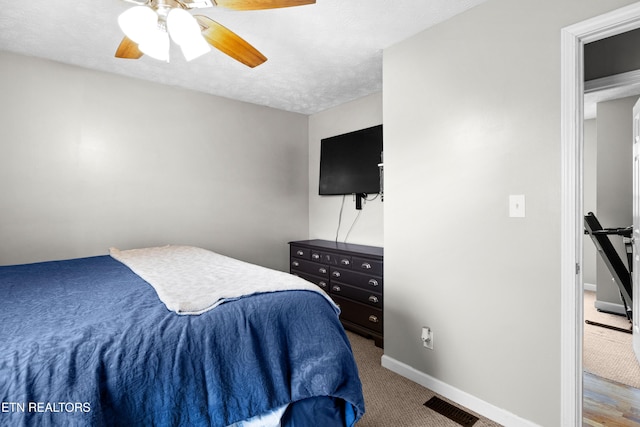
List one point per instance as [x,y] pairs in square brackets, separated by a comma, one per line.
[87,342]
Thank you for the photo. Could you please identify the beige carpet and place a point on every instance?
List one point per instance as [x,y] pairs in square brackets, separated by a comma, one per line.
[608,353]
[392,400]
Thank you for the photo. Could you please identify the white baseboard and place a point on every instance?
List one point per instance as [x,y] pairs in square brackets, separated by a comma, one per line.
[470,402]
[590,287]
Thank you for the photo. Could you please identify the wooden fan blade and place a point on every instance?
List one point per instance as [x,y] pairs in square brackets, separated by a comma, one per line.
[128,49]
[260,4]
[229,42]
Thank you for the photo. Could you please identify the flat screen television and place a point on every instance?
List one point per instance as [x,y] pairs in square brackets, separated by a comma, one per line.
[349,163]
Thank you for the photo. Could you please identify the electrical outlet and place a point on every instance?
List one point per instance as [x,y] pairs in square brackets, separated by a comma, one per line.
[427,337]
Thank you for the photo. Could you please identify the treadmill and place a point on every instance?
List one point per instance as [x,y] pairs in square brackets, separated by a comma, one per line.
[621,274]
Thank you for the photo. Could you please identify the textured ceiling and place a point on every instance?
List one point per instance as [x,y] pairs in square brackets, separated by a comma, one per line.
[319,55]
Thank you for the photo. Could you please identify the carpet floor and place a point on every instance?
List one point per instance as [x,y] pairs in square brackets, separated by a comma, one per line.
[608,353]
[392,400]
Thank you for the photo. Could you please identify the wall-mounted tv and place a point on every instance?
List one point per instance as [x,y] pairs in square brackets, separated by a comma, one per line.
[349,163]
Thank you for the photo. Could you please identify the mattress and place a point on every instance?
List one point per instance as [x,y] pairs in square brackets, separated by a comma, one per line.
[87,342]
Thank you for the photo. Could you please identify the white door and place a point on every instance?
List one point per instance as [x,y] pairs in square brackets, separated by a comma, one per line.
[635,277]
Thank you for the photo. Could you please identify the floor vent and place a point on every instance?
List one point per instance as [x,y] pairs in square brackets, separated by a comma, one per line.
[453,413]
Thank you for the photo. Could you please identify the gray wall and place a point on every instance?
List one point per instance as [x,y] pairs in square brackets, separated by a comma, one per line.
[91,160]
[615,186]
[602,58]
[590,154]
[472,115]
[324,211]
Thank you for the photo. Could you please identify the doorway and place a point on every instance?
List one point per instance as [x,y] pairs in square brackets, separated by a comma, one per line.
[572,115]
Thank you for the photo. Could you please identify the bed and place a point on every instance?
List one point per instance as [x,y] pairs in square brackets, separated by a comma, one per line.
[90,342]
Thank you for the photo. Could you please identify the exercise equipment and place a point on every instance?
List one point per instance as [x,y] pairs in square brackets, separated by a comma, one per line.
[621,274]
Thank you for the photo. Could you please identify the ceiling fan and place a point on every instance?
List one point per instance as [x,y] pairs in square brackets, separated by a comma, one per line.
[149,25]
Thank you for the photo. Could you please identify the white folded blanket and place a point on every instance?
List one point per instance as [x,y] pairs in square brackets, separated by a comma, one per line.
[192,280]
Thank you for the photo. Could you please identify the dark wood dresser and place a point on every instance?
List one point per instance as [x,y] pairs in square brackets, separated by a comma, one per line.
[351,274]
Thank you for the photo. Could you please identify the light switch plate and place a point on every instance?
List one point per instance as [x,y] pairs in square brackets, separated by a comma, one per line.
[516,206]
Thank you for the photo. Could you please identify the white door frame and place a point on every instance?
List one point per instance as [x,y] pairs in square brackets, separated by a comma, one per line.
[635,236]
[573,39]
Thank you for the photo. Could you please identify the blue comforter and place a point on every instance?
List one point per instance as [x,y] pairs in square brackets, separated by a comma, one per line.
[87,342]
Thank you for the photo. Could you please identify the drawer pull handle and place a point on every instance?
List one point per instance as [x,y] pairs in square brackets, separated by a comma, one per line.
[315,256]
[322,270]
[366,266]
[373,282]
[373,299]
[345,262]
[322,284]
[300,253]
[295,263]
[336,288]
[373,319]
[336,274]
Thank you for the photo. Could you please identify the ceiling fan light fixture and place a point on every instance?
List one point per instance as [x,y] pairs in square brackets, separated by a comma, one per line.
[195,49]
[185,31]
[137,22]
[195,34]
[141,25]
[156,45]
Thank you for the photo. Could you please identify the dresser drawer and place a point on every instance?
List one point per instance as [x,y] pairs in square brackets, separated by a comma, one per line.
[361,280]
[360,314]
[321,282]
[316,256]
[369,266]
[309,267]
[331,258]
[357,294]
[343,261]
[299,252]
